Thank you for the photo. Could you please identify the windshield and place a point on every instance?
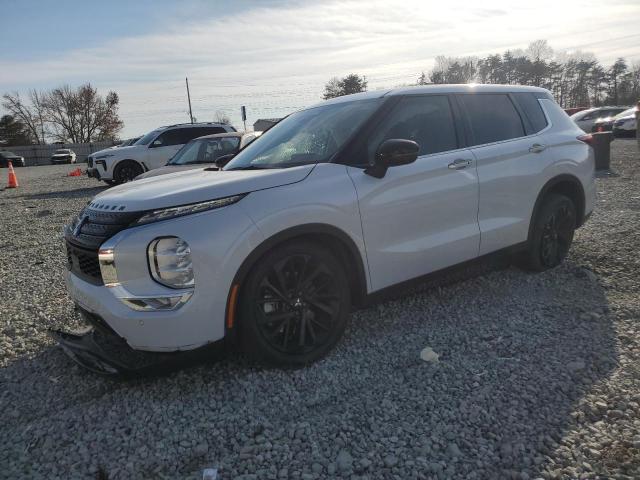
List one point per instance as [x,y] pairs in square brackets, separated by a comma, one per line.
[205,150]
[306,137]
[146,139]
[62,151]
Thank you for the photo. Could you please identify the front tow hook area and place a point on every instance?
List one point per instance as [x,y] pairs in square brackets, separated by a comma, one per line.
[110,355]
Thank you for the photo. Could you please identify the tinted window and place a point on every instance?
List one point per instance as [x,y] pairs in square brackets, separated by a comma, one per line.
[532,109]
[168,138]
[492,117]
[427,120]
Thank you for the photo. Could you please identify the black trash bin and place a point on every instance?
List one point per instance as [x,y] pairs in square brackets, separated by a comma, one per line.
[601,147]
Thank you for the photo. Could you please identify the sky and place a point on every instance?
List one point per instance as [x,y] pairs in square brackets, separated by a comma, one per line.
[274,56]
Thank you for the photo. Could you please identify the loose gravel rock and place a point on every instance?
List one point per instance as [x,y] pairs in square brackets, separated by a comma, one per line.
[538,374]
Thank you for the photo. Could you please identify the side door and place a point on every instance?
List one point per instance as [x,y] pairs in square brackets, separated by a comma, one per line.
[510,157]
[165,146]
[419,217]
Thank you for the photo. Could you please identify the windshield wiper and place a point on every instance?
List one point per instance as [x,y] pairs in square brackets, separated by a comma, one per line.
[249,167]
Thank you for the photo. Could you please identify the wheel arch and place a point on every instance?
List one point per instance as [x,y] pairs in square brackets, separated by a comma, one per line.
[567,185]
[120,162]
[337,240]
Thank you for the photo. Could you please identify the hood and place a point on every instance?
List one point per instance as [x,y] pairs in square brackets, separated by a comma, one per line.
[172,169]
[114,150]
[196,185]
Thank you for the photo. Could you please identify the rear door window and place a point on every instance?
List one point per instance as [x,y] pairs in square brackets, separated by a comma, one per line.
[492,117]
[427,120]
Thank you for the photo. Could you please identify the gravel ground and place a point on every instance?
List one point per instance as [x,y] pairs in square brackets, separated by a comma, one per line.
[538,375]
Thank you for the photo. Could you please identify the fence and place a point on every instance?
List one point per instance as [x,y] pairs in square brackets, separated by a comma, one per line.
[41,154]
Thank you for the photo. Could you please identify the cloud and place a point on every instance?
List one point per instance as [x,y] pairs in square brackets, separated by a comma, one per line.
[276,58]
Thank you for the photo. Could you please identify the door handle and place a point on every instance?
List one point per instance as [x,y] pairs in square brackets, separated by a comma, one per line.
[537,148]
[460,163]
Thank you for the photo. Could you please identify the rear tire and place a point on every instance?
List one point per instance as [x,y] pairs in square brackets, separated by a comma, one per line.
[126,171]
[294,305]
[552,234]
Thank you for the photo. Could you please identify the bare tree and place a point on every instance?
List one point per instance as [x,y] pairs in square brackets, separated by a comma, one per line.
[222,117]
[82,115]
[32,115]
[539,50]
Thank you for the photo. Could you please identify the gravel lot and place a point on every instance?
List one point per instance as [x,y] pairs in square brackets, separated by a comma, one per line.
[538,375]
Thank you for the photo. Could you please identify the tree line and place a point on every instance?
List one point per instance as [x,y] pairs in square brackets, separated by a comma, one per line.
[64,114]
[576,80]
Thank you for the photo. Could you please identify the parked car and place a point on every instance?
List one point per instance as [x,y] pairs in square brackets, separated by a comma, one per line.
[63,155]
[127,142]
[587,118]
[6,157]
[571,111]
[603,125]
[211,152]
[331,207]
[625,123]
[153,150]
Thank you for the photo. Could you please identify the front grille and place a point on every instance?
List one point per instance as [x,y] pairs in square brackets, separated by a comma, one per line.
[85,235]
[90,162]
[84,263]
[97,224]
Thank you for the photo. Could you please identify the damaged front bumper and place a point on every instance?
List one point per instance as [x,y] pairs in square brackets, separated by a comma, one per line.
[100,350]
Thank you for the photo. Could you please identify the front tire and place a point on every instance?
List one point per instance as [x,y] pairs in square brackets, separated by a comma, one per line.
[552,234]
[294,305]
[126,171]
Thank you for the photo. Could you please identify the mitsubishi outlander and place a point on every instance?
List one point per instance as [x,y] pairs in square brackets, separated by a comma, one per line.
[333,204]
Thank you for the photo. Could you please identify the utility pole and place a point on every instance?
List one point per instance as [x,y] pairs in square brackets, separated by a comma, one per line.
[243,111]
[189,99]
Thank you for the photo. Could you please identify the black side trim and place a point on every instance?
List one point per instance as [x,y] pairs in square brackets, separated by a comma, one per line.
[462,271]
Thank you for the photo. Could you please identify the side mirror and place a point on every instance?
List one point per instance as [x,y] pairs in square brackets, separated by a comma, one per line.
[224,159]
[393,153]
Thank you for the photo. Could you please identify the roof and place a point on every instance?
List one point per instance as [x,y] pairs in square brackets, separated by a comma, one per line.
[446,88]
[198,124]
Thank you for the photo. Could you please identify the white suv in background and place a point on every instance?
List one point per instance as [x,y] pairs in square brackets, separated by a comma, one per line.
[153,150]
[333,204]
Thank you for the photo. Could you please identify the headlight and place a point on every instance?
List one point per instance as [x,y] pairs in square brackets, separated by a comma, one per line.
[170,262]
[172,212]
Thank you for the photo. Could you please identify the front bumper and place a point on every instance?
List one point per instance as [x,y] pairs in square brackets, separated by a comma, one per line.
[200,319]
[93,173]
[101,351]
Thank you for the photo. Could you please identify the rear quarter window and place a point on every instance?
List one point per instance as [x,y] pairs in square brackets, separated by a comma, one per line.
[492,117]
[530,105]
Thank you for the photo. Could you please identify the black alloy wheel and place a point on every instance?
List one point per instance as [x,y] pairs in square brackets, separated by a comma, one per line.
[295,305]
[552,235]
[126,171]
[557,235]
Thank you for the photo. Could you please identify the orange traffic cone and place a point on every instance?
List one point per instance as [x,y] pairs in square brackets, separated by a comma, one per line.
[13,180]
[75,173]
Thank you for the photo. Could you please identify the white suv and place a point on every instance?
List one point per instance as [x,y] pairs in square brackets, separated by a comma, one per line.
[153,150]
[333,204]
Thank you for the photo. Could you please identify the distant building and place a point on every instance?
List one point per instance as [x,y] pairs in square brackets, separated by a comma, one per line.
[263,124]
